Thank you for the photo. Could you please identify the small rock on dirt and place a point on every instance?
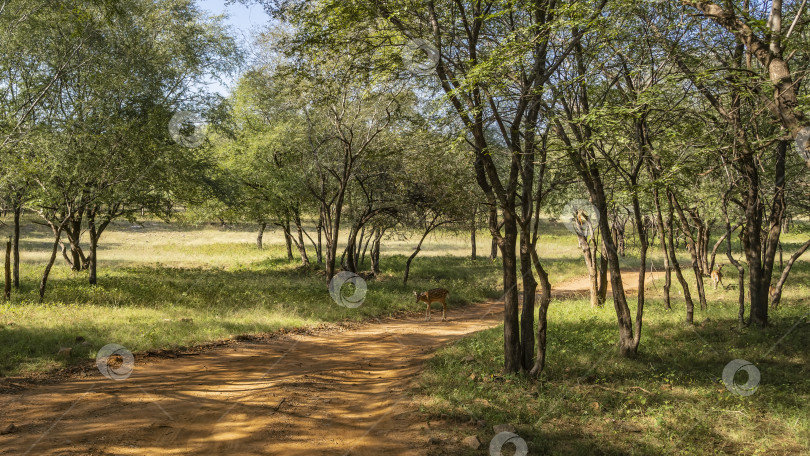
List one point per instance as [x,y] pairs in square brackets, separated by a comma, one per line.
[8,429]
[498,428]
[434,441]
[472,442]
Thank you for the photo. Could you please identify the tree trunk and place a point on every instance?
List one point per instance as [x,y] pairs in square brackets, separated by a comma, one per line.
[365,248]
[511,327]
[590,263]
[667,269]
[527,335]
[375,252]
[15,246]
[603,274]
[73,230]
[427,231]
[545,300]
[642,269]
[777,295]
[752,242]
[349,260]
[288,241]
[733,261]
[302,247]
[493,217]
[260,236]
[7,270]
[92,259]
[319,247]
[472,237]
[626,346]
[692,247]
[690,306]
[44,282]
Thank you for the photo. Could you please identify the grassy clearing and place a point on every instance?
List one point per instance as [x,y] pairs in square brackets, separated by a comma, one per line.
[153,278]
[669,400]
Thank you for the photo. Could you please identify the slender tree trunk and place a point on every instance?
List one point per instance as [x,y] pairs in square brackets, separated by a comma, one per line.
[603,277]
[15,246]
[44,282]
[418,248]
[332,235]
[717,244]
[777,214]
[302,247]
[493,221]
[7,270]
[92,259]
[667,269]
[288,240]
[359,248]
[365,248]
[777,295]
[472,237]
[590,264]
[740,268]
[690,306]
[545,300]
[375,252]
[319,247]
[692,247]
[260,236]
[349,260]
[642,270]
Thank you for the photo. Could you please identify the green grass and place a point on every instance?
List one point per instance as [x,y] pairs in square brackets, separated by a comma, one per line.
[153,278]
[670,399]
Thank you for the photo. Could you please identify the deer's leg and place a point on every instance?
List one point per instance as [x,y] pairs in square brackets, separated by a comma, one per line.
[427,312]
[444,311]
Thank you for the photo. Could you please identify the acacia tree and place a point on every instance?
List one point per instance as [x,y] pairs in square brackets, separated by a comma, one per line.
[755,77]
[493,84]
[436,190]
[106,147]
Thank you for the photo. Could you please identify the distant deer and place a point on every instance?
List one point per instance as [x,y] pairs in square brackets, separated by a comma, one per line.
[434,295]
[717,276]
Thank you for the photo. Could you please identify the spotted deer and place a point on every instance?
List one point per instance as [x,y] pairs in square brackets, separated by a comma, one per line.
[717,276]
[434,295]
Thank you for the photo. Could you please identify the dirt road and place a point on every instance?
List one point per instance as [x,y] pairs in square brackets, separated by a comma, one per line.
[332,393]
[340,392]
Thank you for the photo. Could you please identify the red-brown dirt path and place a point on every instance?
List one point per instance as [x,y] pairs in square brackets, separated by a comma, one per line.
[341,392]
